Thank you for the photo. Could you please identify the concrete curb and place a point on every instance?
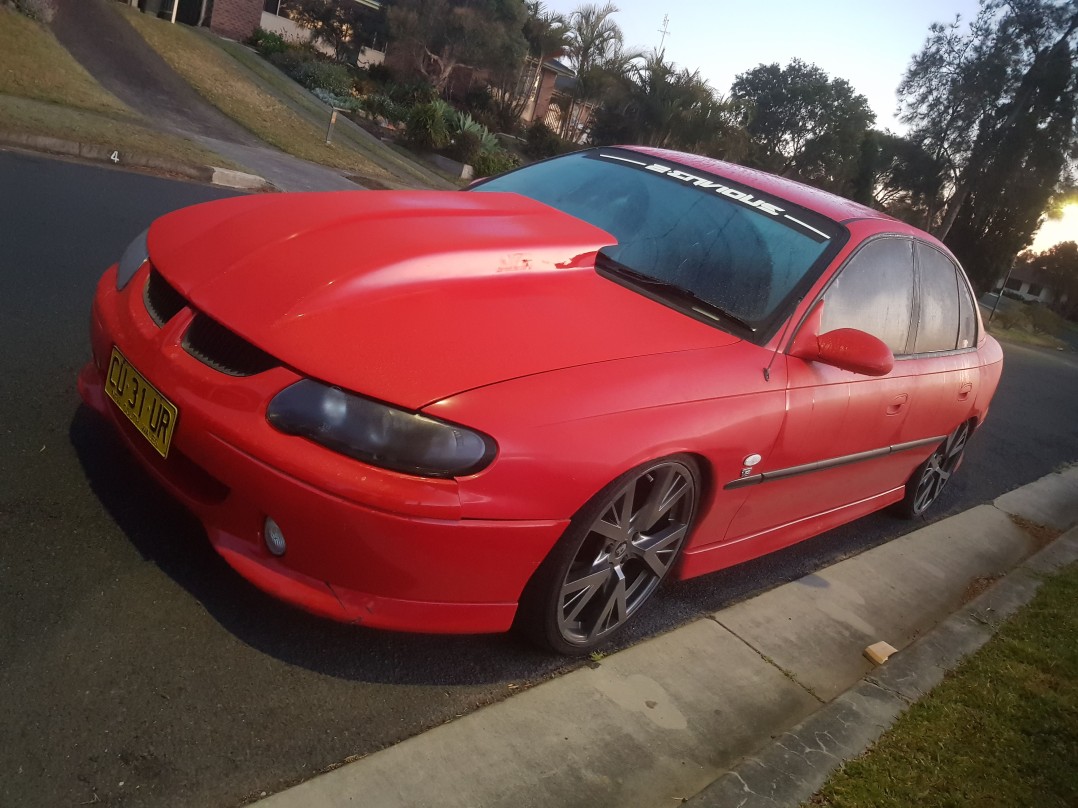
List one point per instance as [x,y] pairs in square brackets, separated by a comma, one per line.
[226,177]
[754,705]
[796,764]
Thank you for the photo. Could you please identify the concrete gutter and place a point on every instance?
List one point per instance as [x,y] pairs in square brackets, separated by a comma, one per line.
[753,705]
[214,175]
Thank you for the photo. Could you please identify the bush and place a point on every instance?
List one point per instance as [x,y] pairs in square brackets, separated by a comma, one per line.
[411,95]
[494,161]
[267,42]
[289,59]
[466,147]
[541,142]
[380,74]
[327,76]
[382,106]
[427,126]
[1047,321]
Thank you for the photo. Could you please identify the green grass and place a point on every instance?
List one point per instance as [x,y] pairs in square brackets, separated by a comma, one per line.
[230,87]
[44,91]
[1000,731]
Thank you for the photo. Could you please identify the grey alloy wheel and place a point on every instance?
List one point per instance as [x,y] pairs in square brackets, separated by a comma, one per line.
[614,555]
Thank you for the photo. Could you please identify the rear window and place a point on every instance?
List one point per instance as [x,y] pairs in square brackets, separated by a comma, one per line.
[732,246]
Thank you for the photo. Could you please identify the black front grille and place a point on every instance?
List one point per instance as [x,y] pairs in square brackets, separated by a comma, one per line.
[162,301]
[214,345]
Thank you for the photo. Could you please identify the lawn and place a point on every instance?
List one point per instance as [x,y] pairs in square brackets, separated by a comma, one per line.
[227,85]
[1001,730]
[44,91]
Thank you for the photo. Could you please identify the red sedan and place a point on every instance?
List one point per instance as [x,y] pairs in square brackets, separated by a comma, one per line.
[531,402]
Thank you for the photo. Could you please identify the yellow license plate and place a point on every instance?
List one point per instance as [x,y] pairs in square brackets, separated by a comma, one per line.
[151,413]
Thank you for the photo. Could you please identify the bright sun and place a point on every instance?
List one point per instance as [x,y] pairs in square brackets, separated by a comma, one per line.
[1054,231]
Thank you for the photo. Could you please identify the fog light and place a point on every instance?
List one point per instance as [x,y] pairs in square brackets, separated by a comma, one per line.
[274,537]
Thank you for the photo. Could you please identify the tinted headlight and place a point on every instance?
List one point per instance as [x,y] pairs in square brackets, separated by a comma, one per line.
[377,433]
[134,257]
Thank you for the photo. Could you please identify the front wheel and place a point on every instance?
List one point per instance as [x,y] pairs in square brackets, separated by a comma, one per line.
[612,558]
[932,476]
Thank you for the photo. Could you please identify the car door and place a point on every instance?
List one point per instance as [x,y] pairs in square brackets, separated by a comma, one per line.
[835,445]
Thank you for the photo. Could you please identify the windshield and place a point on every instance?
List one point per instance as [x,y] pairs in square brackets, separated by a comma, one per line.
[738,250]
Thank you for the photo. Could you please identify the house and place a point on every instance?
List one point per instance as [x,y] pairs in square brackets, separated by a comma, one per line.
[549,86]
[1030,285]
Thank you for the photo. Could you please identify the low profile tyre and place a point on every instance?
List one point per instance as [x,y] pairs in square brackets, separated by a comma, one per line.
[932,476]
[612,557]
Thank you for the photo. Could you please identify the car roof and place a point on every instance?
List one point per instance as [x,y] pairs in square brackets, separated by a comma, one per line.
[826,204]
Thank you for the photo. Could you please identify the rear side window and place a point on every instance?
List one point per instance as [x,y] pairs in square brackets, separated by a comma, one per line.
[937,325]
[967,317]
[874,293]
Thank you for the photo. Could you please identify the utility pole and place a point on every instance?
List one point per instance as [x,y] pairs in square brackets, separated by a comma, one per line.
[664,31]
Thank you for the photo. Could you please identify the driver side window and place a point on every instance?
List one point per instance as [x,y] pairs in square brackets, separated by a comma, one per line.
[874,293]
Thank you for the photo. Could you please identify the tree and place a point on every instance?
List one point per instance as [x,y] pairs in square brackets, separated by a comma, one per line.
[338,24]
[897,175]
[996,105]
[804,124]
[596,49]
[660,105]
[446,36]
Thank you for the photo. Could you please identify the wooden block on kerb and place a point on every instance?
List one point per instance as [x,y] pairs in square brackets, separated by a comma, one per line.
[879,652]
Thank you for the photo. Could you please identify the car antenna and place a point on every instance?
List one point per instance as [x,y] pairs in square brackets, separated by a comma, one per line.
[778,345]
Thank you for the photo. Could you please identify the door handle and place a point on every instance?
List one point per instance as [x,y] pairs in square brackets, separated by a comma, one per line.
[897,403]
[964,391]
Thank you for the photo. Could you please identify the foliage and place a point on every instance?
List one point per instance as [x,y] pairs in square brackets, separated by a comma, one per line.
[541,141]
[494,161]
[997,106]
[596,48]
[804,124]
[660,105]
[411,94]
[324,75]
[382,106]
[427,125]
[443,37]
[267,42]
[339,25]
[899,176]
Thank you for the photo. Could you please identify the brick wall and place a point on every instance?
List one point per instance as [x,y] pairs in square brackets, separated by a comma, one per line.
[235,19]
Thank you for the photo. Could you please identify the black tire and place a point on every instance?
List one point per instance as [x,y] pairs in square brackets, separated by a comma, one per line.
[931,477]
[612,557]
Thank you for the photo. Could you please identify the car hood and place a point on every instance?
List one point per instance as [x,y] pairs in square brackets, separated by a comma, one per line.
[410,297]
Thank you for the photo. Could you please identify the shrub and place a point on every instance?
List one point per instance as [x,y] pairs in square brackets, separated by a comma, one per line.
[380,74]
[40,10]
[1046,321]
[411,95]
[541,142]
[427,126]
[328,76]
[467,146]
[494,161]
[289,59]
[267,42]
[382,106]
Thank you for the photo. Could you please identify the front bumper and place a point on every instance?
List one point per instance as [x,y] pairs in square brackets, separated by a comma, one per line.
[364,545]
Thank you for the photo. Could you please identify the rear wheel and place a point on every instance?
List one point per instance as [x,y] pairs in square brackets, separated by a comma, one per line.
[932,476]
[612,558]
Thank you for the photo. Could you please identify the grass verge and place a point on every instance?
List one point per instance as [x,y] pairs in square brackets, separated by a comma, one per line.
[34,65]
[1001,730]
[44,91]
[26,116]
[228,86]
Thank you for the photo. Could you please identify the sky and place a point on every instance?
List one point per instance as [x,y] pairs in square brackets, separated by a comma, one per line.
[867,42]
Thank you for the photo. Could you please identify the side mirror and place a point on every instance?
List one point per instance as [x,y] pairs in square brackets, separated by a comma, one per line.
[843,348]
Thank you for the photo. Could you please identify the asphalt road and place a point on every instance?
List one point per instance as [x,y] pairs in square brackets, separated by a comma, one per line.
[137,669]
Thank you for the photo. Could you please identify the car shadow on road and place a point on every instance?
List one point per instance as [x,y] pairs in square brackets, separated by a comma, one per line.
[167,535]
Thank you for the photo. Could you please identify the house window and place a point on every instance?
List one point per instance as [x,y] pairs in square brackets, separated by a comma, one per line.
[1014,284]
[1035,290]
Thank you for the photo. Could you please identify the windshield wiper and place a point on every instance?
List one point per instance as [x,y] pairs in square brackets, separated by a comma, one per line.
[697,303]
